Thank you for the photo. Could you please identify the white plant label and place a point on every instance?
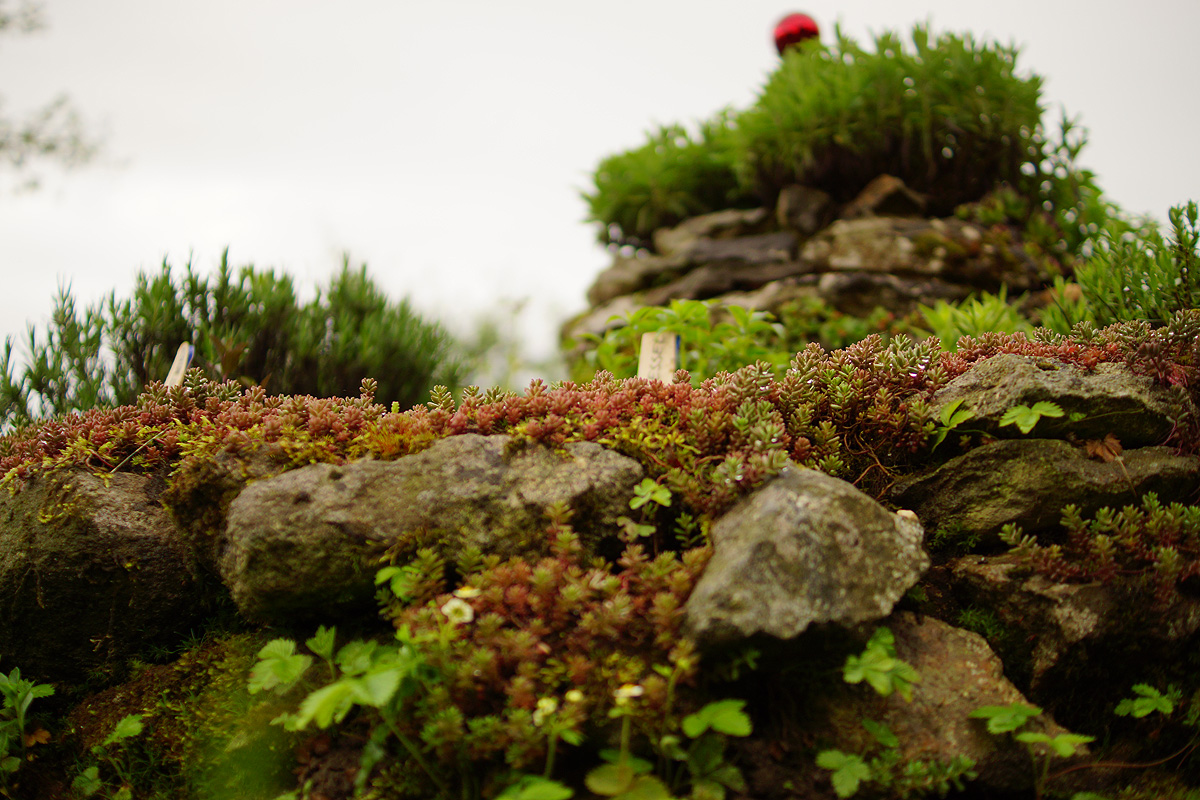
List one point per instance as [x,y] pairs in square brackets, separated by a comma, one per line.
[183,357]
[660,356]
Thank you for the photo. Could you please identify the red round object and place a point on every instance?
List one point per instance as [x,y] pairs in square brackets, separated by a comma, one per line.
[793,29]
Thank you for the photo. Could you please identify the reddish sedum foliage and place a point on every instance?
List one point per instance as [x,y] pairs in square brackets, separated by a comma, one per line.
[559,632]
[860,413]
[1152,549]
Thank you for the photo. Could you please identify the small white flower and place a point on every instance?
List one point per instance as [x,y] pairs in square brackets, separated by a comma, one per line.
[573,696]
[467,592]
[545,707]
[458,611]
[627,692]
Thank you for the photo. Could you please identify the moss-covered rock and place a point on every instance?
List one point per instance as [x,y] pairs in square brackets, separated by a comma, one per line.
[92,571]
[307,544]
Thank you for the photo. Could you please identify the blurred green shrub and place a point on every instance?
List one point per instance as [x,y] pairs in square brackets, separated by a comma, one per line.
[974,317]
[949,116]
[717,339]
[246,325]
[1134,274]
[670,178]
[706,346]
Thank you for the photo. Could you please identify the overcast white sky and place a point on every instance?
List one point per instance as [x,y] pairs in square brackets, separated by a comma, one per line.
[445,143]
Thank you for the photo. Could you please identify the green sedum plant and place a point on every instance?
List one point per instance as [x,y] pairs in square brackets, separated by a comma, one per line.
[15,739]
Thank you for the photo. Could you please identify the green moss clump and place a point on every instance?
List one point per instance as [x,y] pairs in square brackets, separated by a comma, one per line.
[204,736]
[949,116]
[952,117]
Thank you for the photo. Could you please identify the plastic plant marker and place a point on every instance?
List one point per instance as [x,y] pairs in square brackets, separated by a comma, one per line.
[183,357]
[660,356]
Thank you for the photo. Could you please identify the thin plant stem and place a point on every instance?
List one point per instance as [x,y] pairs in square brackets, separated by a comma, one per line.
[415,753]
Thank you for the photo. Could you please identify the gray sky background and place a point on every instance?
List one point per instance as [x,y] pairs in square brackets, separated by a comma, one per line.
[445,143]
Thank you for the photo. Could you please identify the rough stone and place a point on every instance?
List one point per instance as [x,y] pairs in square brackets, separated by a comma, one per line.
[804,209]
[763,248]
[92,571]
[715,279]
[805,548]
[885,196]
[1028,481]
[1111,399]
[860,293]
[628,275]
[717,225]
[600,320]
[949,248]
[302,543]
[1062,621]
[958,674]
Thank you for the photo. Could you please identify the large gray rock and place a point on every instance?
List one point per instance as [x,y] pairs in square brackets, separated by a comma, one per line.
[805,548]
[92,571]
[1111,399]
[958,673]
[854,293]
[763,248]
[308,541]
[1028,481]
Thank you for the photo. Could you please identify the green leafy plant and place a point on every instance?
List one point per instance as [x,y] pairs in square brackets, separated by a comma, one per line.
[89,782]
[1026,417]
[811,319]
[535,787]
[973,317]
[1148,701]
[706,348]
[644,494]
[1012,718]
[951,416]
[885,770]
[709,774]
[886,674]
[880,668]
[847,771]
[19,694]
